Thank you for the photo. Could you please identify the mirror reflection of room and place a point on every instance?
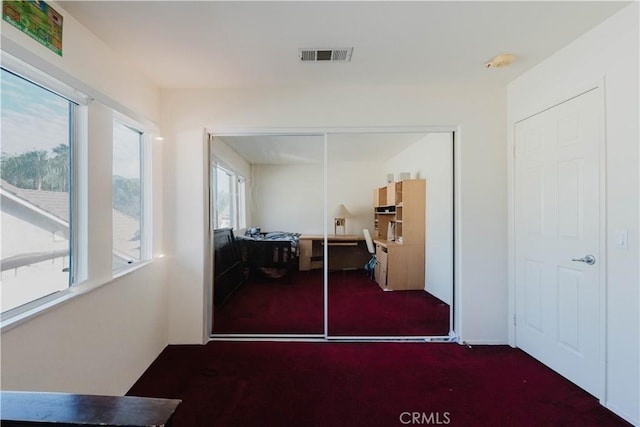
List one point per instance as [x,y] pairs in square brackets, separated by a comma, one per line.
[283,201]
[398,189]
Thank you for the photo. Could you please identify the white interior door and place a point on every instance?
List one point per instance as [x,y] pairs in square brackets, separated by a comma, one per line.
[557,220]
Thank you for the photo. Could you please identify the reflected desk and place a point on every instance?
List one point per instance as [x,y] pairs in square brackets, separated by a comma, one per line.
[346,252]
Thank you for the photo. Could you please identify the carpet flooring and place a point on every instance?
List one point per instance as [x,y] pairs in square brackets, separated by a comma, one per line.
[356,306]
[365,384]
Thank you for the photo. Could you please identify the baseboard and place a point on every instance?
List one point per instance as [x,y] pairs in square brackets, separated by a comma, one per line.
[616,410]
[481,342]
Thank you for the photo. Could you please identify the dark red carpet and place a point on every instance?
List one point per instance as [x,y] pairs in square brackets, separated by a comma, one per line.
[365,384]
[357,307]
[274,306]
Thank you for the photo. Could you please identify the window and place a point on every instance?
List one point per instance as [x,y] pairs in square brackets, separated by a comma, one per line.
[36,191]
[230,196]
[127,196]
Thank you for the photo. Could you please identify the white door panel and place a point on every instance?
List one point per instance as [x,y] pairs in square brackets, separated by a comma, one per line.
[557,218]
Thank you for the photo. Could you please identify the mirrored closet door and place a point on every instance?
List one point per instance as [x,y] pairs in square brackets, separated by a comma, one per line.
[390,248]
[343,235]
[267,209]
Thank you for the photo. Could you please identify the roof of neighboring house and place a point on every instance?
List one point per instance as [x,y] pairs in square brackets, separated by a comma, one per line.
[126,235]
[56,204]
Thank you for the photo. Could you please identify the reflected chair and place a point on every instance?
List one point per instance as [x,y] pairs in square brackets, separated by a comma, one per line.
[370,266]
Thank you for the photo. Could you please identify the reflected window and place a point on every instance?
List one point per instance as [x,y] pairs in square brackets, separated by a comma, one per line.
[230,208]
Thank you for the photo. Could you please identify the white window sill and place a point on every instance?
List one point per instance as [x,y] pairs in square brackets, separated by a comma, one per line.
[123,271]
[22,314]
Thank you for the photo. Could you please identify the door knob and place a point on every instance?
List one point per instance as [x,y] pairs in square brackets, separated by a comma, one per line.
[587,259]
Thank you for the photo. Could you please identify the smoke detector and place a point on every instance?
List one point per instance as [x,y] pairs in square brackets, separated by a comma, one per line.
[325,55]
[501,60]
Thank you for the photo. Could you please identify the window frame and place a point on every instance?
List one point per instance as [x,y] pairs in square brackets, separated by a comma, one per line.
[241,201]
[88,272]
[76,120]
[146,217]
[237,198]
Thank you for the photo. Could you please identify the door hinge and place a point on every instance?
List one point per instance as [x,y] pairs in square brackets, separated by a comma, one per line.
[515,323]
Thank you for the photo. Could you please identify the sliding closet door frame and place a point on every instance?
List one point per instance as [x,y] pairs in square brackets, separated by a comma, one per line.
[325,231]
[325,132]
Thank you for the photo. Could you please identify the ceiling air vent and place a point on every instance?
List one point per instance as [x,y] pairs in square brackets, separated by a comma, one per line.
[325,55]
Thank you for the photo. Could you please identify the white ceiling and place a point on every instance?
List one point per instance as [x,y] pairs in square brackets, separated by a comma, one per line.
[277,149]
[180,44]
[306,149]
[215,44]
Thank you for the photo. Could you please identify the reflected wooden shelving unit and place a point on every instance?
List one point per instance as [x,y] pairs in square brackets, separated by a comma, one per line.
[399,234]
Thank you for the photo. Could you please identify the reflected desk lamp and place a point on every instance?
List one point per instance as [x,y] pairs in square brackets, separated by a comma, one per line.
[340,219]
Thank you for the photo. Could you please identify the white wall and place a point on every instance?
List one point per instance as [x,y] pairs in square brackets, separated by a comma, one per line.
[351,183]
[100,341]
[480,113]
[90,65]
[288,197]
[432,159]
[186,210]
[229,157]
[608,54]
